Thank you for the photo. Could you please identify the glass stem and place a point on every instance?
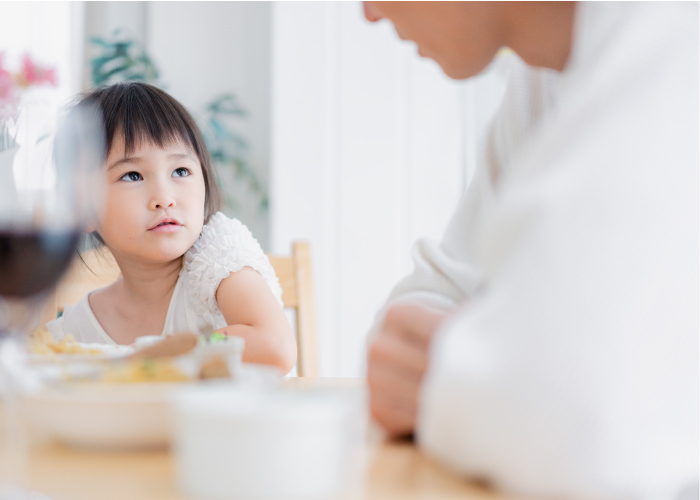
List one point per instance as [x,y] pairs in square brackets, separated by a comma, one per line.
[14,459]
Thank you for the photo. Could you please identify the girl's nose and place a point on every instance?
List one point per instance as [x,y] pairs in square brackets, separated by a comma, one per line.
[161,201]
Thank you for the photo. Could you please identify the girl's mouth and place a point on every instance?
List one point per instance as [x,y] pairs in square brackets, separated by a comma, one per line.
[166,225]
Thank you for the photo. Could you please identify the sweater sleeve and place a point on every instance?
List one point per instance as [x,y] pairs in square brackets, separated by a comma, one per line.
[447,273]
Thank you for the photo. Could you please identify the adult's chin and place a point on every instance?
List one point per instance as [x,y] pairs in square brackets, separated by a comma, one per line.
[461,69]
[457,72]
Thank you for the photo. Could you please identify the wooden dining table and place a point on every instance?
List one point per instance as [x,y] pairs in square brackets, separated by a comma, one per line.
[395,470]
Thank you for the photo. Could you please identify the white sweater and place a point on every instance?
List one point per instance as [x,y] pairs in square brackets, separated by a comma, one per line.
[571,367]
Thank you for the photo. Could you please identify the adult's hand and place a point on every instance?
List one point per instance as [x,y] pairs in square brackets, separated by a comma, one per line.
[398,359]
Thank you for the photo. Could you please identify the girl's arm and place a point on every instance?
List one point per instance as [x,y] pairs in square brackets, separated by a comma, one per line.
[252,312]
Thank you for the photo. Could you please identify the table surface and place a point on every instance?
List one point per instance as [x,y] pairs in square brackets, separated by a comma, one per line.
[396,470]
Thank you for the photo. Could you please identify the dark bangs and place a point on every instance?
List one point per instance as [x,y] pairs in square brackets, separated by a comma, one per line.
[144,113]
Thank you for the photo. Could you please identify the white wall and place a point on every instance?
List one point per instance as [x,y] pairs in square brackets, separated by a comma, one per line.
[372,148]
[204,49]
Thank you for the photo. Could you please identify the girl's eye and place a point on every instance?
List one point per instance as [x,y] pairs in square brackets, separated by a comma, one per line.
[131,177]
[181,172]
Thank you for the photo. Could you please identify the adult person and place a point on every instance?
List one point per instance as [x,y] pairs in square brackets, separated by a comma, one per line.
[549,342]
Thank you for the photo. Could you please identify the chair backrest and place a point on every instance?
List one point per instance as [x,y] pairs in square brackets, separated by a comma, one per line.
[296,277]
[99,269]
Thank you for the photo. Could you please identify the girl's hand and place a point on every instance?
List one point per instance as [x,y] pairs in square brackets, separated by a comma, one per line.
[398,359]
[252,312]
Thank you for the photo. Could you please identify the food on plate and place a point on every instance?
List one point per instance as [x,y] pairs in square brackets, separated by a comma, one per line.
[176,344]
[144,370]
[218,337]
[41,342]
[164,369]
[179,357]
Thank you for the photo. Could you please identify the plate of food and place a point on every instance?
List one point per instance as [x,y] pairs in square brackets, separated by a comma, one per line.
[125,403]
[42,348]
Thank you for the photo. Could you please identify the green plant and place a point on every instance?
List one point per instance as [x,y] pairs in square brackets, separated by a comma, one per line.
[120,58]
[226,147]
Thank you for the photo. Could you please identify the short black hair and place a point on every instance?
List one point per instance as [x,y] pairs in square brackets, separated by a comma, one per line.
[144,113]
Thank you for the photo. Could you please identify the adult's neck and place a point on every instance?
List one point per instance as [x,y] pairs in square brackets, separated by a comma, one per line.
[541,32]
[146,282]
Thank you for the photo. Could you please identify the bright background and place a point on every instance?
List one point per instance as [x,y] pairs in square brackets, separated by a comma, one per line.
[363,146]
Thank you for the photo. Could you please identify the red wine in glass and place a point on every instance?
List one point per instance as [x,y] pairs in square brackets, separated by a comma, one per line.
[33,262]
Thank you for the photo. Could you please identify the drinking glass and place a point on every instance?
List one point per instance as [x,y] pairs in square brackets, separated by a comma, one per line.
[48,192]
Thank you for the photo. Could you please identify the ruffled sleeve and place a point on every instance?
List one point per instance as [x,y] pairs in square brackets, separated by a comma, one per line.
[224,247]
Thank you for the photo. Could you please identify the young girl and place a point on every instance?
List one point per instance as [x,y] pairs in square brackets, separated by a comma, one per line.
[182,262]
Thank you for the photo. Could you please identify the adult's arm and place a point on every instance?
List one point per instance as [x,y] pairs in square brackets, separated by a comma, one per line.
[575,372]
[446,273]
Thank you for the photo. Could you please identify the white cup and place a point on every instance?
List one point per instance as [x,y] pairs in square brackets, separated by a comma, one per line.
[231,349]
[249,444]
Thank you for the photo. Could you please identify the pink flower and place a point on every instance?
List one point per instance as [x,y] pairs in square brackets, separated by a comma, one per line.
[7,83]
[32,74]
[8,93]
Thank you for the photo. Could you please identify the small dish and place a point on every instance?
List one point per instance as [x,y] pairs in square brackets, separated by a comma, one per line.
[101,415]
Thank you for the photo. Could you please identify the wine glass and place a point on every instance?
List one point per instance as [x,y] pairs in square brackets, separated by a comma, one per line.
[47,195]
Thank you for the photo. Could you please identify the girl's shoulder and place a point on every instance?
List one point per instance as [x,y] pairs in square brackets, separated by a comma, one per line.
[218,227]
[224,246]
[224,240]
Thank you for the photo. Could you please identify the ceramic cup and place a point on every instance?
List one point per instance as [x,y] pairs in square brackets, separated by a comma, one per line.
[270,444]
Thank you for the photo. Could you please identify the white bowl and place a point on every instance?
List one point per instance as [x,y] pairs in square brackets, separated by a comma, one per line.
[120,416]
[98,415]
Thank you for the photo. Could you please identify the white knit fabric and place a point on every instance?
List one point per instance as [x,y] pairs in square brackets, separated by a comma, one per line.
[225,246]
[447,273]
[570,368]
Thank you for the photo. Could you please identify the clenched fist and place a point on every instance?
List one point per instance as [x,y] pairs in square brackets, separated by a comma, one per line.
[398,359]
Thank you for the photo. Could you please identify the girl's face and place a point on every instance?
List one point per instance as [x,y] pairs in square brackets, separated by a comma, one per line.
[154,207]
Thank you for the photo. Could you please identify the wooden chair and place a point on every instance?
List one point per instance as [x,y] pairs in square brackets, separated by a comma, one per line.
[296,277]
[294,273]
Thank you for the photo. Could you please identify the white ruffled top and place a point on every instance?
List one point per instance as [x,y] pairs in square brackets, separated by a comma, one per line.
[225,246]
